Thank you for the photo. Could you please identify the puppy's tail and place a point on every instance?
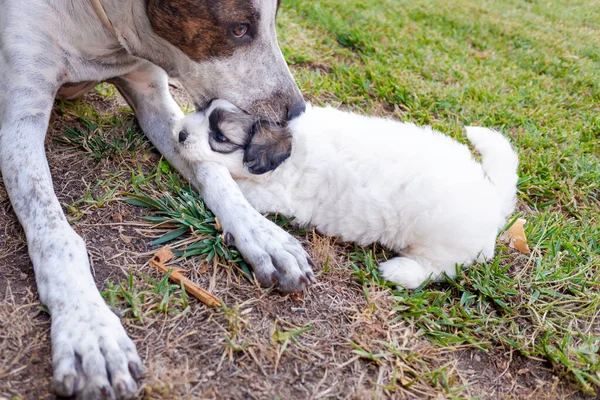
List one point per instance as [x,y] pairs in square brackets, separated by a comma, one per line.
[499,162]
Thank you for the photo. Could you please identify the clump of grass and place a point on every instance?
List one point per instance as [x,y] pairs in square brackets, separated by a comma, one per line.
[96,196]
[234,340]
[413,368]
[176,205]
[142,296]
[94,140]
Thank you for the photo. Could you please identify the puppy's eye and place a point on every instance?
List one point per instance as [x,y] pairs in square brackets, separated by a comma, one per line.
[240,30]
[219,137]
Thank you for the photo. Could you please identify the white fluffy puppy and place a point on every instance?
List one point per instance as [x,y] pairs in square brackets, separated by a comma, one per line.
[365,179]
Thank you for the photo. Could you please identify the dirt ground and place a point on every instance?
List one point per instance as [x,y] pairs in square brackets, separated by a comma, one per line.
[240,352]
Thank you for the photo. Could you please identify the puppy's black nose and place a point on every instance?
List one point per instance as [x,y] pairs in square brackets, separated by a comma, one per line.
[182,136]
[296,110]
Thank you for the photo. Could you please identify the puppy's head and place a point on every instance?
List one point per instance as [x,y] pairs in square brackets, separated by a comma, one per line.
[245,144]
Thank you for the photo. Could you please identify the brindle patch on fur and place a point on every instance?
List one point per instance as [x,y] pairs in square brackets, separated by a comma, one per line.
[202,28]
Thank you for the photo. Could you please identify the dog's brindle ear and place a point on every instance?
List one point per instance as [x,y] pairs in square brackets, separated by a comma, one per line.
[202,29]
[269,146]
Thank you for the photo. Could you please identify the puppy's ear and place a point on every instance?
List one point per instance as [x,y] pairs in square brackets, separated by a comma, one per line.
[269,146]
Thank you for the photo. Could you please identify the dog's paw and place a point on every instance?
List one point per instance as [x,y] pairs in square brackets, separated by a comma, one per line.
[92,356]
[404,271]
[275,256]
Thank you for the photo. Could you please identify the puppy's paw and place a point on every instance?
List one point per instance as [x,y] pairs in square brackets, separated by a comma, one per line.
[92,356]
[405,272]
[275,256]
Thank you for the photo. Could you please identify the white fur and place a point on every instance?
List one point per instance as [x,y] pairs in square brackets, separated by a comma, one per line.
[365,179]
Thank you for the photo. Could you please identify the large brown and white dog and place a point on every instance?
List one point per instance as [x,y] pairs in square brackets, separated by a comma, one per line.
[218,49]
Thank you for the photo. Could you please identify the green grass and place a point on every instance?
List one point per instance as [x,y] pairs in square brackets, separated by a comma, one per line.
[529,68]
[141,297]
[176,205]
[92,139]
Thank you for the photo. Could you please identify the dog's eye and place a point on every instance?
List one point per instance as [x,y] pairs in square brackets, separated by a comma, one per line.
[219,137]
[240,30]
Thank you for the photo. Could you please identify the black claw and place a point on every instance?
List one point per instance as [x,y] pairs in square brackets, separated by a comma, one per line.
[275,277]
[116,312]
[106,392]
[311,262]
[135,370]
[229,239]
[66,387]
[121,389]
[305,280]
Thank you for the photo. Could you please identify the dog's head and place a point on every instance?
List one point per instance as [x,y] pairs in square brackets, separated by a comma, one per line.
[247,145]
[228,49]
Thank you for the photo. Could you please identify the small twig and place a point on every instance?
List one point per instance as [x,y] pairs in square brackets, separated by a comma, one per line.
[164,255]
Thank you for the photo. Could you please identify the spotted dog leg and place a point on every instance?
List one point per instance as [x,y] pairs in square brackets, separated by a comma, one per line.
[275,255]
[92,356]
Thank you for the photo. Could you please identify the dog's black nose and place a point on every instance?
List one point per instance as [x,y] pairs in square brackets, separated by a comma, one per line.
[296,110]
[182,136]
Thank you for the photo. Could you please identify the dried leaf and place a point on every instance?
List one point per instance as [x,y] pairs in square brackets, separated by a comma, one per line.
[203,268]
[164,255]
[516,237]
[117,217]
[125,239]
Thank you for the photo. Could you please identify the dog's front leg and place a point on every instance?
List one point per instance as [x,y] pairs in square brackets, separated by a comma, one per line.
[92,356]
[274,254]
